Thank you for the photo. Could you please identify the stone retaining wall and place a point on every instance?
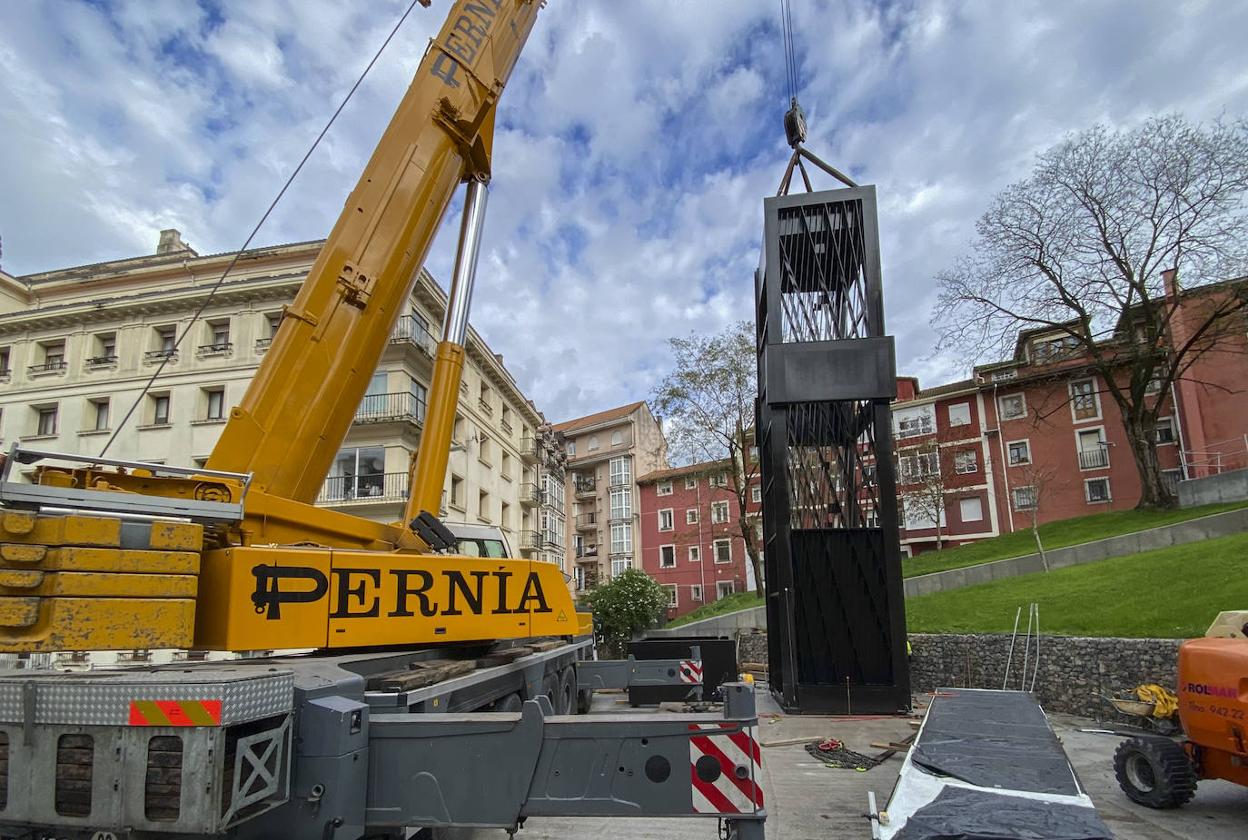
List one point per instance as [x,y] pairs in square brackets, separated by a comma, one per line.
[1073,674]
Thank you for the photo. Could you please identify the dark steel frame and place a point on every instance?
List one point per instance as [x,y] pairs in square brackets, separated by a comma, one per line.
[827,373]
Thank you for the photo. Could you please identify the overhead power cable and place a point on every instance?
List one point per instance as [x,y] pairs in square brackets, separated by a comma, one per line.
[273,204]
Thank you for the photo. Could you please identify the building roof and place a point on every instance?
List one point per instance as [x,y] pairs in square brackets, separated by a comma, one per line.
[600,417]
[950,388]
[691,469]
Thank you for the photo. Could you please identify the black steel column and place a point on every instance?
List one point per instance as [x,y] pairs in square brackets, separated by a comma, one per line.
[826,375]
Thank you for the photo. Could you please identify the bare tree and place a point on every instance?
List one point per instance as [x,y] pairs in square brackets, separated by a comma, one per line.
[1080,248]
[923,474]
[1044,483]
[707,403]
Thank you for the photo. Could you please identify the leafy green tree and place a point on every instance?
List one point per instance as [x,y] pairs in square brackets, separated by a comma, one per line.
[630,602]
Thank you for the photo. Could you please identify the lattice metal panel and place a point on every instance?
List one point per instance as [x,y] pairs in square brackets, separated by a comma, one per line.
[830,467]
[823,288]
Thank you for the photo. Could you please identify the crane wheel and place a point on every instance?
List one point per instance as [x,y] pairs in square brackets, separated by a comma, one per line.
[510,703]
[1154,772]
[565,703]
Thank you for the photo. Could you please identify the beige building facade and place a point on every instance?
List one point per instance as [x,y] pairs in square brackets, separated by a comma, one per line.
[606,454]
[79,345]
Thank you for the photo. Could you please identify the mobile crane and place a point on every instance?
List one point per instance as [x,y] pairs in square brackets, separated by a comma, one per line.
[430,697]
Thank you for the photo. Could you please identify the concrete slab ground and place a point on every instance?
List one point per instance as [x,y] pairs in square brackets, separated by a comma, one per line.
[807,800]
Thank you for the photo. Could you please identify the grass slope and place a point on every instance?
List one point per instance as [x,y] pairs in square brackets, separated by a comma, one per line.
[734,602]
[1055,535]
[1169,593]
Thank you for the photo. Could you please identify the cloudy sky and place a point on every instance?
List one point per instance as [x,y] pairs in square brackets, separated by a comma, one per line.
[636,142]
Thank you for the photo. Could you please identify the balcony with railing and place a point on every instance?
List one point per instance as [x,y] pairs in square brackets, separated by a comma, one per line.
[531,541]
[54,366]
[221,348]
[410,331]
[157,356]
[372,488]
[531,494]
[401,406]
[96,362]
[529,449]
[584,486]
[263,344]
[1093,459]
[587,521]
[587,554]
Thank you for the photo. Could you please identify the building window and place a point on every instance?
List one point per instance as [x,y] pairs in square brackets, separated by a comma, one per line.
[485,451]
[621,503]
[724,588]
[620,564]
[695,554]
[617,437]
[621,472]
[1164,430]
[418,395]
[871,517]
[1012,407]
[105,349]
[99,410]
[723,551]
[54,355]
[667,557]
[571,447]
[357,473]
[695,592]
[965,462]
[1155,381]
[918,466]
[621,538]
[756,494]
[665,519]
[45,420]
[592,444]
[504,516]
[971,510]
[664,488]
[457,492]
[274,320]
[960,414]
[753,455]
[1096,490]
[1083,400]
[505,465]
[1051,349]
[1093,452]
[483,506]
[914,422]
[719,480]
[691,483]
[691,516]
[1024,498]
[719,512]
[219,335]
[1019,452]
[4,361]
[160,409]
[672,598]
[215,404]
[166,341]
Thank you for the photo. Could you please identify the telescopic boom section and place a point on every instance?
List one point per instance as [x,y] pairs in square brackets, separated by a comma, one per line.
[301,402]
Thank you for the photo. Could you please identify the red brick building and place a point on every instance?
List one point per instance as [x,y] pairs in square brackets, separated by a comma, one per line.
[1038,434]
[690,538]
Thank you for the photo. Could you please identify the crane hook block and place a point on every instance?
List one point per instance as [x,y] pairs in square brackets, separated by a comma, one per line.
[795,124]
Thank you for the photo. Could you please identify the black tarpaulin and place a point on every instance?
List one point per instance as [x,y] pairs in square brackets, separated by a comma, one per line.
[961,814]
[993,739]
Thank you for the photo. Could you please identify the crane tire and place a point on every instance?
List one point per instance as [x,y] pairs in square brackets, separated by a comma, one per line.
[584,700]
[1154,772]
[565,703]
[510,703]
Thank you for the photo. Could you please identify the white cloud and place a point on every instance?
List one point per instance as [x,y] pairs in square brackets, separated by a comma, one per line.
[635,143]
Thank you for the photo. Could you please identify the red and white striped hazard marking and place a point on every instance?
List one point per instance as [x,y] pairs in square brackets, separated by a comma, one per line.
[725,769]
[691,671]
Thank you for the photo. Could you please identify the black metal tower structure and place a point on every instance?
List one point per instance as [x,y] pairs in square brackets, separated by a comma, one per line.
[826,375]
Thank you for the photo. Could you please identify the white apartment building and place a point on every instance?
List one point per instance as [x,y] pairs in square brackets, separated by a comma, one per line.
[78,345]
[607,452]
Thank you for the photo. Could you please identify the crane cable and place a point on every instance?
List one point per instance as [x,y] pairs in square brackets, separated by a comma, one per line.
[790,59]
[272,205]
